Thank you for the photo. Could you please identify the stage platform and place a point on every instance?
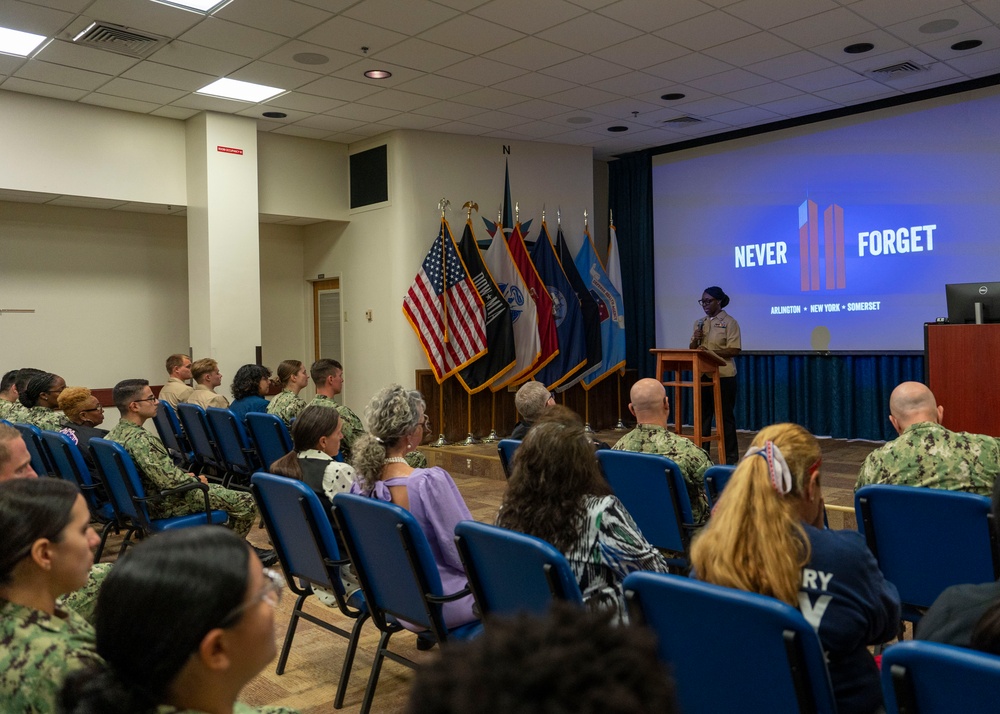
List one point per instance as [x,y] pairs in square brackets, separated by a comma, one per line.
[841,461]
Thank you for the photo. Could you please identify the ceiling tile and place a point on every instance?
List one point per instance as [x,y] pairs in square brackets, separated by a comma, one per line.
[968,20]
[535,85]
[586,69]
[449,110]
[212,104]
[729,81]
[865,90]
[631,84]
[490,98]
[708,30]
[536,109]
[395,99]
[42,89]
[495,119]
[649,16]
[337,88]
[432,85]
[63,76]
[174,113]
[481,71]
[528,16]
[790,65]
[643,51]
[538,129]
[589,33]
[471,34]
[883,41]
[411,17]
[256,112]
[907,54]
[303,131]
[231,37]
[532,53]
[285,55]
[274,75]
[821,28]
[462,5]
[797,106]
[284,17]
[141,91]
[747,116]
[936,73]
[691,94]
[64,5]
[304,102]
[32,18]
[750,49]
[122,103]
[361,112]
[624,108]
[145,16]
[457,127]
[582,97]
[198,59]
[70,55]
[167,76]
[941,49]
[413,121]
[357,71]
[771,13]
[823,79]
[420,54]
[977,65]
[989,8]
[329,123]
[890,12]
[770,92]
[349,35]
[710,106]
[688,67]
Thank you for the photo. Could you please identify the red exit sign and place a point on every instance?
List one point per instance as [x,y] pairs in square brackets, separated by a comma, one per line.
[229,150]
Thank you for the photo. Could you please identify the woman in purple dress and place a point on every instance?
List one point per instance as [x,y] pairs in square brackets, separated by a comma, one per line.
[397,423]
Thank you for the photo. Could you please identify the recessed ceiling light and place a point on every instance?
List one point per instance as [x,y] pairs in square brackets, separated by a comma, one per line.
[15,42]
[378,74]
[274,115]
[617,128]
[858,47]
[672,96]
[310,58]
[205,6]
[243,91]
[579,120]
[966,45]
[935,26]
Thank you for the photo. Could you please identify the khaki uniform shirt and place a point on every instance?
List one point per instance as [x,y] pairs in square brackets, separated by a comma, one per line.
[175,391]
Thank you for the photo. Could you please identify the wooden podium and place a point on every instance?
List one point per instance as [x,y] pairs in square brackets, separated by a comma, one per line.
[960,367]
[698,363]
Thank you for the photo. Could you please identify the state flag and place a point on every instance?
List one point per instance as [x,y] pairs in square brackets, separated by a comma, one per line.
[588,307]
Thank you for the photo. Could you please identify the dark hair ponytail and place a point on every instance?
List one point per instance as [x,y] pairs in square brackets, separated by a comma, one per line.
[155,608]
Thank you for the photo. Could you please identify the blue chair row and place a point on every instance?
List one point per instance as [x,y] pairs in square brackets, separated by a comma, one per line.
[931,678]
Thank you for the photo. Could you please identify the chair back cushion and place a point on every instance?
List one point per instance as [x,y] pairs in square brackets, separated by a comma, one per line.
[716,478]
[231,438]
[933,678]
[199,433]
[32,436]
[506,449]
[270,435]
[121,480]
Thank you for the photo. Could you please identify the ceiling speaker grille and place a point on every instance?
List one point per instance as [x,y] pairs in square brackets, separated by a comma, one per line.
[115,38]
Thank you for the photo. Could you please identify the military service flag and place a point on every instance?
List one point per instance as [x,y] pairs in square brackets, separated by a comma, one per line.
[609,303]
[589,309]
[445,310]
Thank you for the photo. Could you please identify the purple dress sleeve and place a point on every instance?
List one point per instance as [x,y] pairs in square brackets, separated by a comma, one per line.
[438,507]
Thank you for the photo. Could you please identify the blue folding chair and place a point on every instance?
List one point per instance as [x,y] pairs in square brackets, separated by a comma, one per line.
[927,539]
[398,575]
[172,435]
[70,466]
[121,478]
[654,492]
[730,650]
[307,549]
[207,458]
[270,435]
[716,478]
[32,436]
[932,678]
[506,449]
[237,451]
[512,572]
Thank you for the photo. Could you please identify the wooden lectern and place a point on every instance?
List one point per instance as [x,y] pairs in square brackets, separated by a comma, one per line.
[698,363]
[959,368]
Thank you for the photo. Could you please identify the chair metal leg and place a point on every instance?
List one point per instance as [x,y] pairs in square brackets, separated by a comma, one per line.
[383,645]
[345,670]
[283,658]
[105,532]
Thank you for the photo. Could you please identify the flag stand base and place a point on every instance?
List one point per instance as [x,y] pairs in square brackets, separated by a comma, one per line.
[470,440]
[441,441]
[491,438]
[587,428]
[620,426]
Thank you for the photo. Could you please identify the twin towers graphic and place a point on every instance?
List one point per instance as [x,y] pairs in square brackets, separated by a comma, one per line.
[831,243]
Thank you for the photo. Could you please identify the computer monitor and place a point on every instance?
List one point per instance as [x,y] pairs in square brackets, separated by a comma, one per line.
[963,298]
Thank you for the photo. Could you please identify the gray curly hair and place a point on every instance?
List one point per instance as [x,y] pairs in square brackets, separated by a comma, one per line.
[390,415]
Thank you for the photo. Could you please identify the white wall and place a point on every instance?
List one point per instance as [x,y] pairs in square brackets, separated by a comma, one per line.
[302,177]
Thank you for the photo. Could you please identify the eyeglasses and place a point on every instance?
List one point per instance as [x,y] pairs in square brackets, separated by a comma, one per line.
[147,399]
[98,408]
[274,586]
[706,303]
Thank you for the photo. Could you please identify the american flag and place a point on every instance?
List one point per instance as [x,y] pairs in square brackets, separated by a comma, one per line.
[450,344]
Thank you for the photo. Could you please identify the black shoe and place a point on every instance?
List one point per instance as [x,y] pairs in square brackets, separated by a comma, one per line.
[267,556]
[425,642]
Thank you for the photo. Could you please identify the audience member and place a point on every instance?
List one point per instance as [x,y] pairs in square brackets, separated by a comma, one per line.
[217,603]
[206,376]
[766,535]
[530,401]
[84,414]
[249,387]
[925,453]
[293,378]
[41,398]
[177,390]
[15,460]
[11,408]
[316,436]
[24,376]
[957,611]
[651,410]
[136,402]
[986,636]
[569,662]
[396,421]
[556,492]
[46,551]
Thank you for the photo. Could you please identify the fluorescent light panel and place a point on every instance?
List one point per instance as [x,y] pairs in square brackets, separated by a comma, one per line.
[243,91]
[205,6]
[15,42]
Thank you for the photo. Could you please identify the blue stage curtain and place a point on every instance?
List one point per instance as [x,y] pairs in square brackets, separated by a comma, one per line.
[840,395]
[630,197]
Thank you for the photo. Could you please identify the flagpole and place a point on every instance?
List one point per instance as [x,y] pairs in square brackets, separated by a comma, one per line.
[470,440]
[586,411]
[493,422]
[442,205]
[441,441]
[620,426]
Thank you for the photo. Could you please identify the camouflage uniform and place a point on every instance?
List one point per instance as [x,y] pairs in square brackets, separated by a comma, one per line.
[158,473]
[693,462]
[83,601]
[174,392]
[45,418]
[38,651]
[352,429]
[14,412]
[926,454]
[286,406]
[238,708]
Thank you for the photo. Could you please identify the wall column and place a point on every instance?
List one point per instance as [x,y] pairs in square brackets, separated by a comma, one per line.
[223,240]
